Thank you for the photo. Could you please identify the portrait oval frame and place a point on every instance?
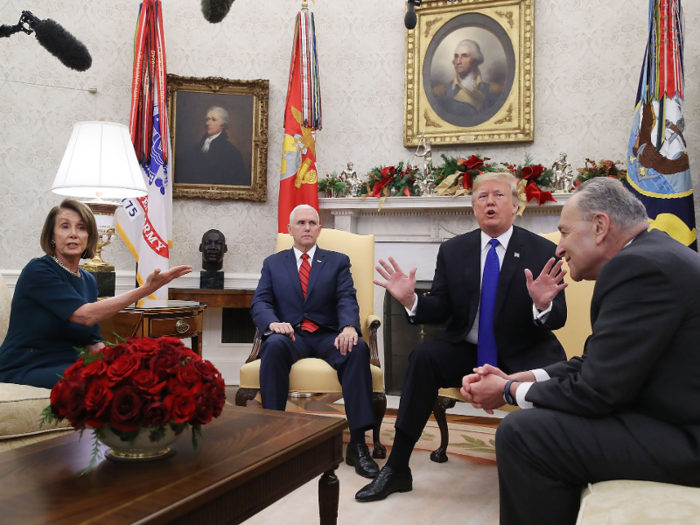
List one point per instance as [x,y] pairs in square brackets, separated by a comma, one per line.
[512,114]
[470,20]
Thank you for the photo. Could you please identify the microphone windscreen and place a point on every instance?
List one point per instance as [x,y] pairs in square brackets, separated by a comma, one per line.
[214,11]
[410,19]
[64,46]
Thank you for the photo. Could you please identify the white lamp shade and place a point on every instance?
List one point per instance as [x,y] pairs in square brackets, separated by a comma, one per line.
[100,161]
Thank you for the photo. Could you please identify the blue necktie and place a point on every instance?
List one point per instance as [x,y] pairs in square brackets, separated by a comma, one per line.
[486,351]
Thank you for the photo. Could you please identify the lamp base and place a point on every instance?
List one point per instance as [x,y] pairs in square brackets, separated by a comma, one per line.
[105,282]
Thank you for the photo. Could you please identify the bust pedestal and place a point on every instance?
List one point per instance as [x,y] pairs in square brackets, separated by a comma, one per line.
[210,280]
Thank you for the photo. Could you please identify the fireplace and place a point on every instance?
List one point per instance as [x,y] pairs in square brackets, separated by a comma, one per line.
[400,337]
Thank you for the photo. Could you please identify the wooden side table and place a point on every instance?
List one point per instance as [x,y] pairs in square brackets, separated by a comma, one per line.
[214,298]
[150,318]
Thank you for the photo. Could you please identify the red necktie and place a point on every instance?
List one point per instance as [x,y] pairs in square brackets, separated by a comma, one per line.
[304,272]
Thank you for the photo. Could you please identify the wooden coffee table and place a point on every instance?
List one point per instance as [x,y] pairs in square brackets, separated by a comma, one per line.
[247,459]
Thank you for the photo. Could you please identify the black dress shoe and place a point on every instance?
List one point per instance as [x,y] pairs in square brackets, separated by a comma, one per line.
[358,456]
[388,482]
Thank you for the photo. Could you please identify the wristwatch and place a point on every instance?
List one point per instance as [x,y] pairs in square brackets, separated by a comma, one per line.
[506,392]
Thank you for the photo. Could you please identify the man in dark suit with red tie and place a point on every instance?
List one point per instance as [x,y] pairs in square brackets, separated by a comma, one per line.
[305,305]
[498,314]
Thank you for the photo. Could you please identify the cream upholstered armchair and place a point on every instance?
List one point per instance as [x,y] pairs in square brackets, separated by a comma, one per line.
[315,375]
[572,337]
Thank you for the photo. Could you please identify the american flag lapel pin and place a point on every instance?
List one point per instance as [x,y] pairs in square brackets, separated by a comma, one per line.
[516,254]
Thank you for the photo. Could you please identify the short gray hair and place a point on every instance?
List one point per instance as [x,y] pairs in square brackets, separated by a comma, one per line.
[477,55]
[303,207]
[609,196]
[222,113]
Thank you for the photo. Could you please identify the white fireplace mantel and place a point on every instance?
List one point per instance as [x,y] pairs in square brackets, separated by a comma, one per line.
[424,219]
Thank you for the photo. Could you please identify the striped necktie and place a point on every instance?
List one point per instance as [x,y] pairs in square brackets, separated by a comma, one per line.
[486,350]
[304,272]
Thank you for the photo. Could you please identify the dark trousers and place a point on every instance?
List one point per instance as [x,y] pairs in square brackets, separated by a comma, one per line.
[278,353]
[432,365]
[545,458]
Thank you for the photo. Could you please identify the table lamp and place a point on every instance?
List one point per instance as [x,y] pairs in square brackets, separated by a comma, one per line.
[99,164]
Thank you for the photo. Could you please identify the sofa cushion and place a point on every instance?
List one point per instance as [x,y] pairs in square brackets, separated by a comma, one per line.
[20,411]
[622,502]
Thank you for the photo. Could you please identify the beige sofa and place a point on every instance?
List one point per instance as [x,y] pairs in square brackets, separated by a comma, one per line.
[21,405]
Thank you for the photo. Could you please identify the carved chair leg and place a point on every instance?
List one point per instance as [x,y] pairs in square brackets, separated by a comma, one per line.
[379,411]
[441,405]
[244,395]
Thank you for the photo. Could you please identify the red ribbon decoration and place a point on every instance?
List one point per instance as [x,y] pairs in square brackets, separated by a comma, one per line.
[532,191]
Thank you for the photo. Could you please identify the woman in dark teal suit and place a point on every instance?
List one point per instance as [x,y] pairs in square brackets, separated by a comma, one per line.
[54,306]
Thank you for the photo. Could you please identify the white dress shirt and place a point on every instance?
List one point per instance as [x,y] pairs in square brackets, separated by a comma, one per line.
[207,142]
[298,253]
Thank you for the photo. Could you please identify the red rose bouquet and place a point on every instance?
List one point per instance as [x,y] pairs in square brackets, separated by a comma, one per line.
[142,385]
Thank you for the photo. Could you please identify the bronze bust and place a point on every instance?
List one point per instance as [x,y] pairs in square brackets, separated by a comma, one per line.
[213,248]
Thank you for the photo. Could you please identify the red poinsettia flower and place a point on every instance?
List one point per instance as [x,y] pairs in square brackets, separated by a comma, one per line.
[532,172]
[472,163]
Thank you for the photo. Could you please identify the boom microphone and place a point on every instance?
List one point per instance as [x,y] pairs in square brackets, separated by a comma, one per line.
[52,37]
[410,19]
[215,11]
[61,44]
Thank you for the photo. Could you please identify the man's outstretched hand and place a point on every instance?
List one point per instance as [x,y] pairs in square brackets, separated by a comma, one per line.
[550,282]
[401,286]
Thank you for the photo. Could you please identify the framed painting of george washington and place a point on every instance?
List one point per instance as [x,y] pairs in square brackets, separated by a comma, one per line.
[469,73]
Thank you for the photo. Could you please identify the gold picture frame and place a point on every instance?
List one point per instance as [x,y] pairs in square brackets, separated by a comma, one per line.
[233,114]
[499,108]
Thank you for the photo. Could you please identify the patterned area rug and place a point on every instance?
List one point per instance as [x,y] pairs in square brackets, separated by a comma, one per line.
[472,437]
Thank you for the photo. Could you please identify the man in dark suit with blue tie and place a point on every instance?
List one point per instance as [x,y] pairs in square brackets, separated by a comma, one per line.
[499,314]
[305,305]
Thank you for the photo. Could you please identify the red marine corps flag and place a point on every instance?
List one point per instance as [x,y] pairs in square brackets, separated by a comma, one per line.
[302,117]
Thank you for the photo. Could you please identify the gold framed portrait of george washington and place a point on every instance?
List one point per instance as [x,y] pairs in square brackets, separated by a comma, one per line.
[218,129]
[470,73]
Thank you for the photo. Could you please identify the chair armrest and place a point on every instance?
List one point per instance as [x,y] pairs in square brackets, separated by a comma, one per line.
[373,322]
[257,341]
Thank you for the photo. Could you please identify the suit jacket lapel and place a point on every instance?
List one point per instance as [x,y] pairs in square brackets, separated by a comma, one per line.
[316,267]
[290,264]
[511,263]
[472,269]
